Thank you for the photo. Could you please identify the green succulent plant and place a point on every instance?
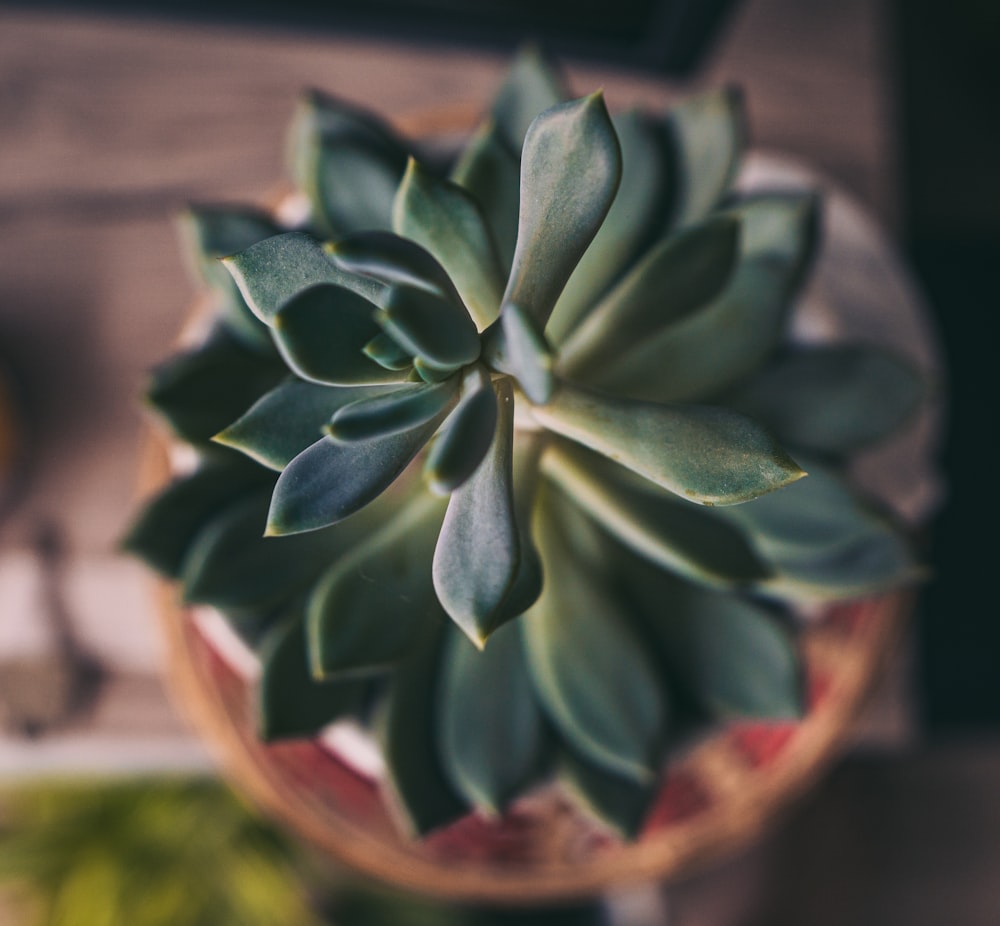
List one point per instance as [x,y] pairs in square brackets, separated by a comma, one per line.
[502,452]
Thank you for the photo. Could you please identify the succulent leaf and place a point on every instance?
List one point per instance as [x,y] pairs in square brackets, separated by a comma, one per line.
[729,338]
[430,327]
[706,454]
[290,702]
[532,85]
[347,162]
[677,536]
[674,279]
[570,170]
[386,351]
[628,227]
[491,728]
[491,172]
[468,434]
[202,389]
[274,271]
[368,608]
[478,550]
[289,418]
[833,400]
[400,409]
[408,735]
[168,524]
[589,667]
[525,353]
[447,220]
[708,133]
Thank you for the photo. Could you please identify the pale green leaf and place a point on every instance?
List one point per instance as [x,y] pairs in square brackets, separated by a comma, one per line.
[274,271]
[447,220]
[399,409]
[589,667]
[708,455]
[289,418]
[367,610]
[531,85]
[526,354]
[673,280]
[491,726]
[478,550]
[670,532]
[570,170]
[430,326]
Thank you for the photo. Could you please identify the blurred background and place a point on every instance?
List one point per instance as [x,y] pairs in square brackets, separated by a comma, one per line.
[115,114]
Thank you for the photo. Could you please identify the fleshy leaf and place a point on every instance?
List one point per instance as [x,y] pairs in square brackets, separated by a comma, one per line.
[203,389]
[527,355]
[290,702]
[466,437]
[628,227]
[329,480]
[570,170]
[708,132]
[390,258]
[532,85]
[215,231]
[277,269]
[618,802]
[371,605]
[399,409]
[737,331]
[833,400]
[674,279]
[429,326]
[728,657]
[708,455]
[289,418]
[167,525]
[675,535]
[491,726]
[322,333]
[386,352]
[408,735]
[491,172]
[445,219]
[478,549]
[347,162]
[589,667]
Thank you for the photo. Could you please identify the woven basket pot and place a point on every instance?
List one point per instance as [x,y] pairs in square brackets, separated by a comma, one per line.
[715,798]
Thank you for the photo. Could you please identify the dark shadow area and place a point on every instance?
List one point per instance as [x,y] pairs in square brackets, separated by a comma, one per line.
[949,58]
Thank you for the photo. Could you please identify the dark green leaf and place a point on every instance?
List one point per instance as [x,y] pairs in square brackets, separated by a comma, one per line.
[628,227]
[735,333]
[445,219]
[835,399]
[570,170]
[705,454]
[276,270]
[407,732]
[708,133]
[329,480]
[384,350]
[429,326]
[491,172]
[322,333]
[201,390]
[618,802]
[400,409]
[590,669]
[675,278]
[168,524]
[531,86]
[348,163]
[478,550]
[290,702]
[291,417]
[672,533]
[466,437]
[372,604]
[491,727]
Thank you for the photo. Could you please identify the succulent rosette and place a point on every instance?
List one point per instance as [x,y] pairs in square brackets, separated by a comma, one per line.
[502,454]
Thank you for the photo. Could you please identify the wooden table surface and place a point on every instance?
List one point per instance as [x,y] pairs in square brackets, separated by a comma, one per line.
[109,125]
